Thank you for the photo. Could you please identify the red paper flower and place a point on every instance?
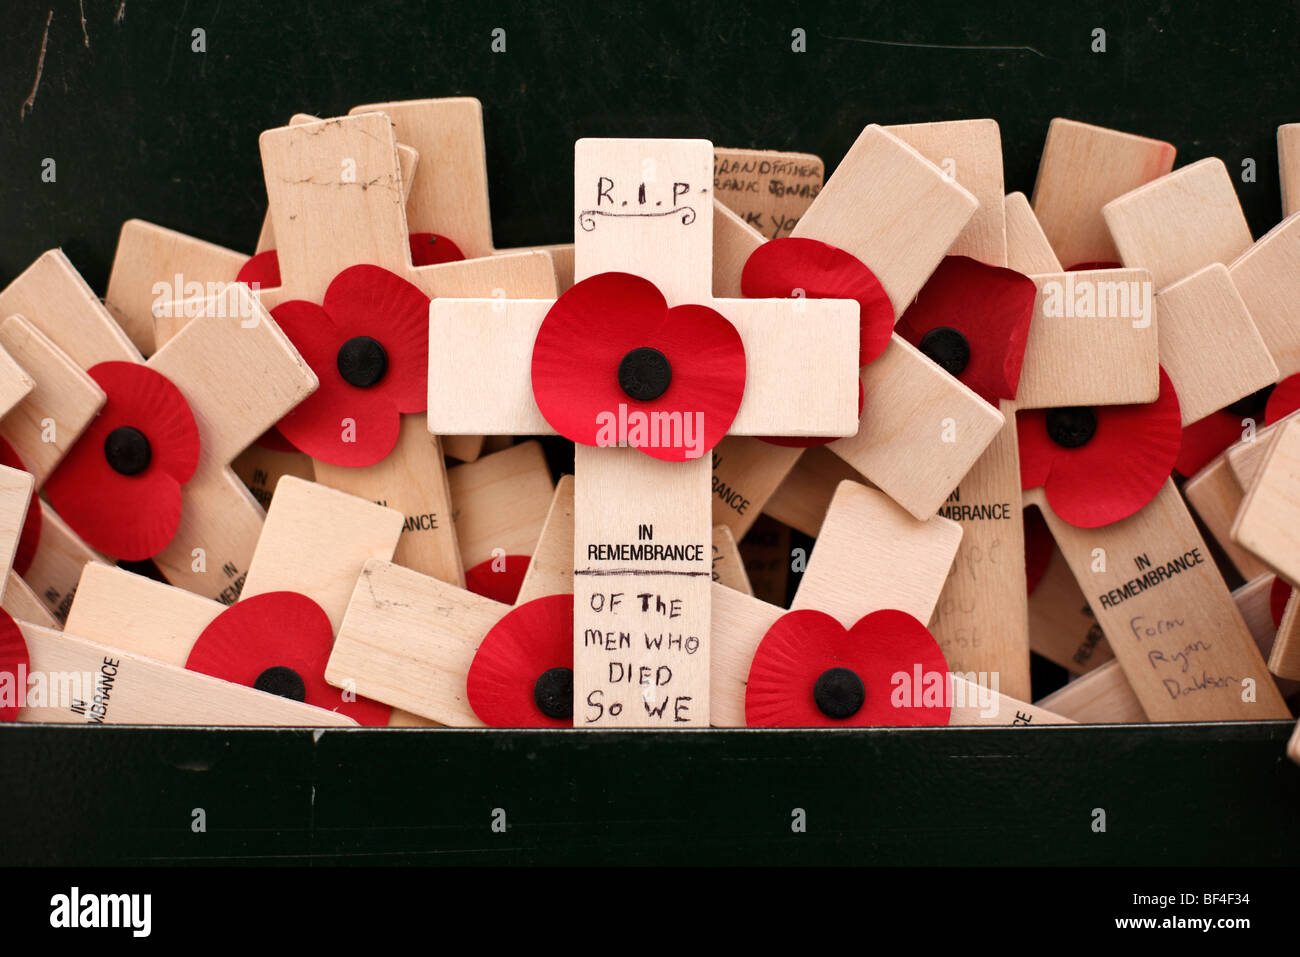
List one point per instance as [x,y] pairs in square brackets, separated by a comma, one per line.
[120,486]
[1094,264]
[368,344]
[973,320]
[1100,464]
[613,365]
[499,584]
[809,671]
[795,268]
[30,539]
[427,249]
[14,666]
[1278,596]
[522,673]
[1038,548]
[1283,400]
[278,642]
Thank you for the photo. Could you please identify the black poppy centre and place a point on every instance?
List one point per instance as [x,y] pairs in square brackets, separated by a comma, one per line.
[947,347]
[362,362]
[644,374]
[1071,427]
[839,693]
[127,450]
[282,681]
[553,693]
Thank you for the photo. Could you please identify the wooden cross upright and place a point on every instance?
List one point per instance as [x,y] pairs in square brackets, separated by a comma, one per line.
[72,680]
[768,189]
[920,429]
[326,179]
[645,207]
[239,375]
[1288,156]
[871,555]
[314,542]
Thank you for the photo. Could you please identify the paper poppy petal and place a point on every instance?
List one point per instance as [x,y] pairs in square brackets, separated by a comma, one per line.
[528,641]
[1036,448]
[147,400]
[1122,467]
[430,249]
[370,301]
[30,538]
[125,517]
[1204,439]
[881,648]
[262,269]
[13,657]
[1278,596]
[131,517]
[991,307]
[500,585]
[780,266]
[1094,264]
[273,440]
[585,336]
[1038,548]
[279,628]
[337,411]
[1284,400]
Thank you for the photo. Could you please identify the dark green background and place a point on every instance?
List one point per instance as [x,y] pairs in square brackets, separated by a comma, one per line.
[140,126]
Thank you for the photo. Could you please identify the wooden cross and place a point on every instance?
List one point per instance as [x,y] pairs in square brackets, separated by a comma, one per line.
[314,542]
[315,174]
[898,213]
[1288,156]
[72,680]
[239,375]
[871,555]
[1268,522]
[1082,169]
[622,495]
[768,189]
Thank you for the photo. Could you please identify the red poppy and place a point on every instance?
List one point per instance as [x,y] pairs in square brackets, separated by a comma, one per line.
[498,583]
[1278,596]
[1100,464]
[1038,548]
[1094,264]
[15,664]
[522,673]
[613,365]
[1205,439]
[278,642]
[119,487]
[973,320]
[1283,400]
[30,538]
[427,249]
[807,268]
[809,671]
[368,344]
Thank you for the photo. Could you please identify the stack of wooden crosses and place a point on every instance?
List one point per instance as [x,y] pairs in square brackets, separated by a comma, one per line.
[295,485]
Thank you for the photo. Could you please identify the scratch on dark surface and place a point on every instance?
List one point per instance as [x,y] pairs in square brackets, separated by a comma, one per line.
[29,104]
[121,13]
[81,6]
[938,46]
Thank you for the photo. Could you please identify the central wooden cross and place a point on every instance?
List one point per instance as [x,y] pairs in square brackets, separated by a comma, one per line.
[645,207]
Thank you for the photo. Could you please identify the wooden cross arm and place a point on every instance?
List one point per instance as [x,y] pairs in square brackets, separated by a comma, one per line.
[1288,161]
[1106,353]
[408,640]
[132,689]
[1268,522]
[52,296]
[15,384]
[480,355]
[1102,696]
[1267,276]
[63,401]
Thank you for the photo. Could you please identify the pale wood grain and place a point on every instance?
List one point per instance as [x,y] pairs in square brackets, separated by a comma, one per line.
[1288,161]
[1083,168]
[1267,275]
[550,572]
[1062,627]
[1028,250]
[1179,223]
[1209,344]
[24,604]
[804,495]
[1268,522]
[1102,696]
[1215,496]
[500,502]
[727,567]
[1180,639]
[768,189]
